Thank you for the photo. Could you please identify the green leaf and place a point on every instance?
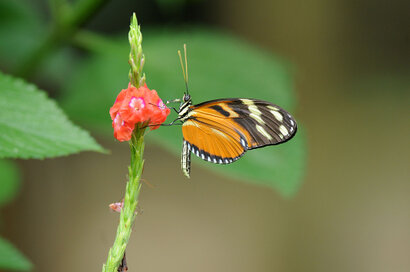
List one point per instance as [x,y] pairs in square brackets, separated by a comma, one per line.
[33,126]
[9,181]
[219,66]
[11,258]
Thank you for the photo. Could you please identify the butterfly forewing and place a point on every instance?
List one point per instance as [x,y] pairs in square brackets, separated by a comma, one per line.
[220,131]
[267,124]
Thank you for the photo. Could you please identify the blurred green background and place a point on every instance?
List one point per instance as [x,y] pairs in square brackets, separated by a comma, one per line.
[345,66]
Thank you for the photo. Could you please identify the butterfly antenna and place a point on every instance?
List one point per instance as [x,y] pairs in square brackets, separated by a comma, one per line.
[186,65]
[184,71]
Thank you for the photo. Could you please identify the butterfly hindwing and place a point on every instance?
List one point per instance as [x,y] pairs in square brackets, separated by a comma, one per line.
[221,131]
[213,139]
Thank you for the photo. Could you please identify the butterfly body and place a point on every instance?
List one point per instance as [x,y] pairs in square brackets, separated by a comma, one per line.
[221,131]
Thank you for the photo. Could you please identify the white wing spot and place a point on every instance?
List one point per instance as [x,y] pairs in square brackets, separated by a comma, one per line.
[247,101]
[226,161]
[277,115]
[273,108]
[220,161]
[263,132]
[257,118]
[203,156]
[281,136]
[255,113]
[283,130]
[209,159]
[291,122]
[243,142]
[254,109]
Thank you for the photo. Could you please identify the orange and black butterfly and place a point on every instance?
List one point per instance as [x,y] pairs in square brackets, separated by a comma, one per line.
[222,130]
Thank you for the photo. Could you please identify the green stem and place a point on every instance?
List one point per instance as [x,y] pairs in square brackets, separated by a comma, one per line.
[132,191]
[136,61]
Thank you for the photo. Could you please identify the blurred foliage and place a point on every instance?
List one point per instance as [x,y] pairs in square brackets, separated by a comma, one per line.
[219,66]
[11,258]
[9,181]
[170,6]
[31,124]
[21,32]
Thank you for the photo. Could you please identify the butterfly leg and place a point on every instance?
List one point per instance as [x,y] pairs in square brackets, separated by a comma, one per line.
[173,101]
[172,123]
[166,125]
[174,109]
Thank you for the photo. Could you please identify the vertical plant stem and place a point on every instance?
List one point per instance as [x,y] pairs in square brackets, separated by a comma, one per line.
[137,78]
[132,191]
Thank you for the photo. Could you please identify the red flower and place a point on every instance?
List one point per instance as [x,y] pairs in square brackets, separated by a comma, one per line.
[134,106]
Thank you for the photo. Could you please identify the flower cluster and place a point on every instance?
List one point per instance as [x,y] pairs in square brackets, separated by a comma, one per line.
[136,106]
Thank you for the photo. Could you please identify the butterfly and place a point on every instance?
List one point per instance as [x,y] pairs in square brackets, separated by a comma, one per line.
[221,131]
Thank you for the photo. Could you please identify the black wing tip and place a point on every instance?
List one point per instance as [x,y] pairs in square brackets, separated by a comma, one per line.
[278,143]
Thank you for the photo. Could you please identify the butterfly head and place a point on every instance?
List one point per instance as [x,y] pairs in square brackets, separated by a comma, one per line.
[186,98]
